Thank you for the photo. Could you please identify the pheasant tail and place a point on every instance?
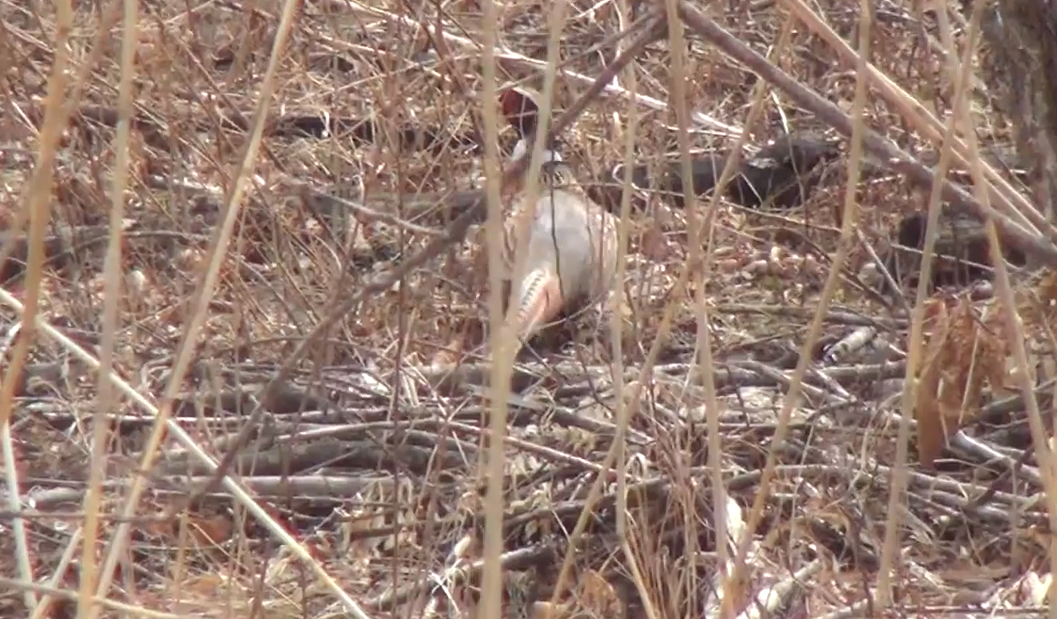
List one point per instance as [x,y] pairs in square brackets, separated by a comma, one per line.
[539,301]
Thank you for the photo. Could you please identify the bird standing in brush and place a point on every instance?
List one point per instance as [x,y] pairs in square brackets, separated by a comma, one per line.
[570,256]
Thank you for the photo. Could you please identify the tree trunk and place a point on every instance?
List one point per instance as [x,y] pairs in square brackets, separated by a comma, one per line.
[1020,68]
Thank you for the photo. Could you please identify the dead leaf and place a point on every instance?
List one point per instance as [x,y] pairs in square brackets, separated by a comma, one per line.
[962,355]
[926,410]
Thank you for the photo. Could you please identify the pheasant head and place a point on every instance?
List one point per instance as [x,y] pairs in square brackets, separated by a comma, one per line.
[521,110]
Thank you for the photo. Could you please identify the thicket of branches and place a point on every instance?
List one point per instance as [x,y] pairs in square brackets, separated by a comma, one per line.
[235,235]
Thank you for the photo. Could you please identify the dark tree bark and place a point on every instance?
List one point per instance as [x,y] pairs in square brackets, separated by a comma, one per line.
[1020,68]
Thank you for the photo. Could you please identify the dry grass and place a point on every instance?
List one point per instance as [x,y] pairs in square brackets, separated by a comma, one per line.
[375,470]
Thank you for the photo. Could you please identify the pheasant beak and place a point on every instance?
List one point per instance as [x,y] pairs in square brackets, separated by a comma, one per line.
[523,147]
[521,150]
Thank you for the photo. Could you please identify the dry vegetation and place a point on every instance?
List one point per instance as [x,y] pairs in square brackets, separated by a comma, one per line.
[378,471]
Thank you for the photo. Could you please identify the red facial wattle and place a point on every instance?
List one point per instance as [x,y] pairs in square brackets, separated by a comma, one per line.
[520,111]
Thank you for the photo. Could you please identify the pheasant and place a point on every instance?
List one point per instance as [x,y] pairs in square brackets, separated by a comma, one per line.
[570,255]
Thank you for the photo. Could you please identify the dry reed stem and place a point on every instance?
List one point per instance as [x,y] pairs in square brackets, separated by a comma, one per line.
[501,332]
[896,498]
[18,526]
[105,402]
[37,207]
[677,101]
[37,210]
[616,335]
